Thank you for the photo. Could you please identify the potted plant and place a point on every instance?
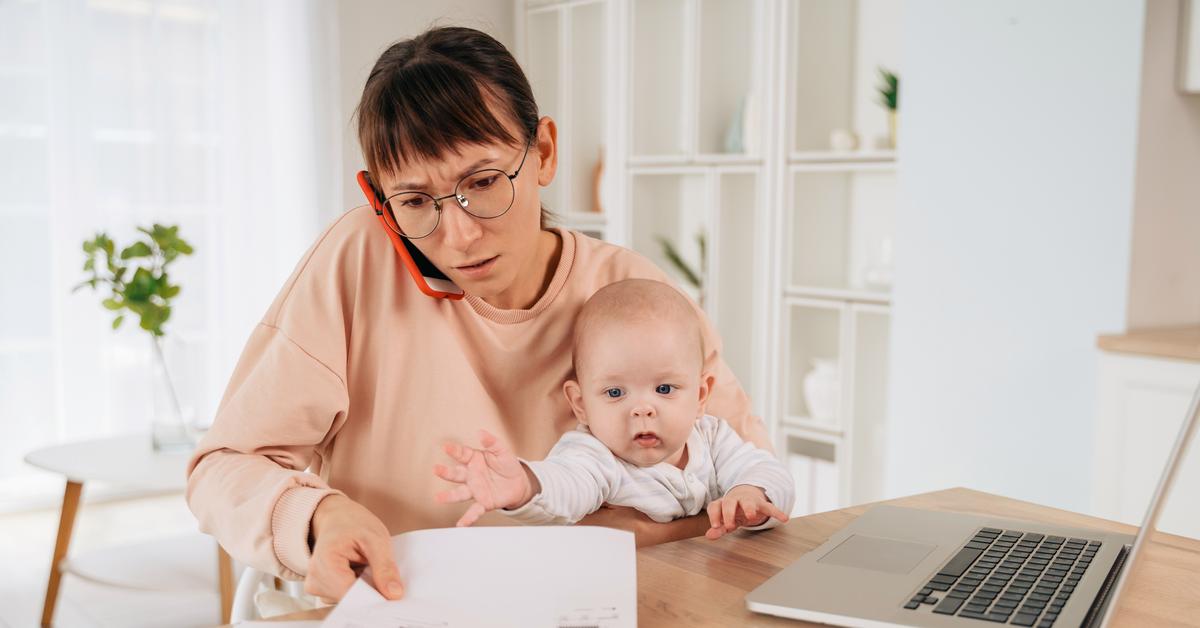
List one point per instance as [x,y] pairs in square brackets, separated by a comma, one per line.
[693,277]
[135,281]
[889,95]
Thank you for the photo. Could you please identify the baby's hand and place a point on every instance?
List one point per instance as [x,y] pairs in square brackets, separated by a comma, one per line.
[492,476]
[742,506]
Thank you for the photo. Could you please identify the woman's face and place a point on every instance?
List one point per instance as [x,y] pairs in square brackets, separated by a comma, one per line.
[501,260]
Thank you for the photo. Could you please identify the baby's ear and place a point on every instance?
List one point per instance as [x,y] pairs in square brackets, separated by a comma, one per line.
[575,397]
[706,383]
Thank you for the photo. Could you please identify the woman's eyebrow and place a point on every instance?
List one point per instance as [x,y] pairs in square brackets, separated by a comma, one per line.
[420,187]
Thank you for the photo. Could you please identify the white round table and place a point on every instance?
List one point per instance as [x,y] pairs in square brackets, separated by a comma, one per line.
[127,462]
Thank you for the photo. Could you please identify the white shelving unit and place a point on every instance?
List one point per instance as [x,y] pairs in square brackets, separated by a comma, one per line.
[681,97]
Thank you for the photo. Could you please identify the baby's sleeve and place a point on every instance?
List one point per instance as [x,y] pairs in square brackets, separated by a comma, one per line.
[739,462]
[577,477]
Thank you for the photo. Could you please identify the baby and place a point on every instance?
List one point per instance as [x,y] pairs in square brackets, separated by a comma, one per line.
[643,439]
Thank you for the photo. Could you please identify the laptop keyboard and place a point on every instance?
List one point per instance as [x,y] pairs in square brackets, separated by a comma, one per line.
[1007,576]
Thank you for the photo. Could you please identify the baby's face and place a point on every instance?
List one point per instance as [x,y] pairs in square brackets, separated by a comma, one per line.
[640,389]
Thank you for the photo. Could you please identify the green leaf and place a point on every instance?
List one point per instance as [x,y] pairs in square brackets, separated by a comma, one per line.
[183,247]
[90,264]
[89,246]
[140,287]
[137,249]
[112,304]
[170,292]
[118,320]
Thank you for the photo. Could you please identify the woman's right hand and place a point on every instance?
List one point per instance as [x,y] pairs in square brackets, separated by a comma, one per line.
[348,537]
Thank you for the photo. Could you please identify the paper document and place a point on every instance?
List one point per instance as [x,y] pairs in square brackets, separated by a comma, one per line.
[527,577]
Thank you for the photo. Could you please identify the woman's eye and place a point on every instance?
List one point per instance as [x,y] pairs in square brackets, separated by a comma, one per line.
[613,393]
[664,389]
[483,183]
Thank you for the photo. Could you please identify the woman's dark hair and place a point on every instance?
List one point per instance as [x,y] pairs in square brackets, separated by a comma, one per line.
[431,94]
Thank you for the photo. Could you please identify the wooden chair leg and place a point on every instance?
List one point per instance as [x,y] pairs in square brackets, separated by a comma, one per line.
[66,524]
[225,582]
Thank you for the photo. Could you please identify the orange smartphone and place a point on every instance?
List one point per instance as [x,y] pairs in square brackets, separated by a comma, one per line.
[430,279]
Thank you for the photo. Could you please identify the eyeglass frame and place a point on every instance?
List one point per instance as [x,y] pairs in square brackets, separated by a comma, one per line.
[459,198]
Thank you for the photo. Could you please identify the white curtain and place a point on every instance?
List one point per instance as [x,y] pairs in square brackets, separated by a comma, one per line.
[220,116]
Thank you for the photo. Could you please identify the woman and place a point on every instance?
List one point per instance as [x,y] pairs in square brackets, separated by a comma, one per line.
[358,376]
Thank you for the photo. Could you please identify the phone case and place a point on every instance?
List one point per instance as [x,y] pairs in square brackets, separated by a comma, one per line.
[430,279]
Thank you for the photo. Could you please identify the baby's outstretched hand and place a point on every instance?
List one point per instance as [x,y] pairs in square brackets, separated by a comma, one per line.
[491,476]
[742,506]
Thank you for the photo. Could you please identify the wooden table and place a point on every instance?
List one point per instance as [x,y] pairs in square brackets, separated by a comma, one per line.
[702,583]
[123,461]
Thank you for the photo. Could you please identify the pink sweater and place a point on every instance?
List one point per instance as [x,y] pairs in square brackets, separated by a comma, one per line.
[354,378]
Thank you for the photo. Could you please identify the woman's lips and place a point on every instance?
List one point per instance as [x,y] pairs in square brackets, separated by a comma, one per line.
[478,270]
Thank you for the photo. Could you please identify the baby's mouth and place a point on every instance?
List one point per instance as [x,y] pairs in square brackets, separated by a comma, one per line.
[647,439]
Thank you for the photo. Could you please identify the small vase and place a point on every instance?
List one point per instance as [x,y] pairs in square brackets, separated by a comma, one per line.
[821,388]
[892,122]
[169,430]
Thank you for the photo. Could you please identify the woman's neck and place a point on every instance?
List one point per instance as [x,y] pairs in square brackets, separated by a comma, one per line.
[533,280]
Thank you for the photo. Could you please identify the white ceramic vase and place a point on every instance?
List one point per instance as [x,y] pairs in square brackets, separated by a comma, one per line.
[821,390]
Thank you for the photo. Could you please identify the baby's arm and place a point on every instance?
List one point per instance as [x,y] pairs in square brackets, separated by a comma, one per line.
[751,481]
[576,478]
[573,481]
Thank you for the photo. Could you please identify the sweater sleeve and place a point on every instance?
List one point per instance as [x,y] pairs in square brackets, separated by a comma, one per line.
[247,483]
[738,462]
[577,477]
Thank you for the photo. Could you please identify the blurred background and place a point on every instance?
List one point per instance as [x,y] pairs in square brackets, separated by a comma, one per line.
[946,244]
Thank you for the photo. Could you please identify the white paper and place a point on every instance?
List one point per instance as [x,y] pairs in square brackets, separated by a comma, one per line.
[552,576]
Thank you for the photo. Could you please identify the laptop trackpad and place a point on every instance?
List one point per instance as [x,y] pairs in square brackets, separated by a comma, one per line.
[876,554]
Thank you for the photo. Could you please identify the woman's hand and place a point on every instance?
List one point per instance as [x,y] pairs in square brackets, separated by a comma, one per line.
[743,505]
[646,531]
[492,476]
[348,538]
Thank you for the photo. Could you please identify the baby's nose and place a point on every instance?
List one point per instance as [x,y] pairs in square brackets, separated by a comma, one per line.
[643,410]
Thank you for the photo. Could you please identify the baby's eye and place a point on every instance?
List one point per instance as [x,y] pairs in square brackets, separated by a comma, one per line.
[664,389]
[614,393]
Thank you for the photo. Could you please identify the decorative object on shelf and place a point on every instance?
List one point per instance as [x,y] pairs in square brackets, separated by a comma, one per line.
[597,179]
[146,292]
[694,277]
[879,274]
[741,135]
[889,96]
[821,390]
[843,140]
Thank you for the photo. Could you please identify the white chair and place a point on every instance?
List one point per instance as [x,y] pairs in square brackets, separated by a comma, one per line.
[259,595]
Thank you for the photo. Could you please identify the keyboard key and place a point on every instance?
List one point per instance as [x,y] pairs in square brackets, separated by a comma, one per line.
[1034,536]
[949,606]
[993,530]
[960,562]
[925,591]
[1056,539]
[1022,619]
[976,545]
[929,599]
[942,579]
[972,615]
[1045,623]
[911,605]
[958,594]
[973,607]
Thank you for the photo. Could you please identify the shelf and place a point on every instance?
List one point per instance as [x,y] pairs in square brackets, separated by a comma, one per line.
[703,160]
[798,425]
[879,297]
[842,157]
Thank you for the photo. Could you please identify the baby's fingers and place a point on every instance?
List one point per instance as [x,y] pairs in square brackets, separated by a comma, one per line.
[454,495]
[774,511]
[457,451]
[472,515]
[457,474]
[714,520]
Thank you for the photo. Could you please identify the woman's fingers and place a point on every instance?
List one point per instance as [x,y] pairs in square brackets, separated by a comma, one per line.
[472,515]
[458,473]
[454,495]
[329,576]
[378,551]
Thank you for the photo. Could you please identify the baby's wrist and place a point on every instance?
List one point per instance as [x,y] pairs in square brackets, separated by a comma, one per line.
[532,487]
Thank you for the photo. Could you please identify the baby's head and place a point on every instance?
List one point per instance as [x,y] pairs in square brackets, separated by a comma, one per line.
[639,383]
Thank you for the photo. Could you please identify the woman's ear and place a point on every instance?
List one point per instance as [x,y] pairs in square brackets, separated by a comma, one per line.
[546,147]
[706,383]
[575,397]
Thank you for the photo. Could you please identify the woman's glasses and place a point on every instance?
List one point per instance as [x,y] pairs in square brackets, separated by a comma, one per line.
[487,193]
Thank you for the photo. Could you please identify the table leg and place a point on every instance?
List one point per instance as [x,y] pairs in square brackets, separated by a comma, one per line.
[225,580]
[66,523]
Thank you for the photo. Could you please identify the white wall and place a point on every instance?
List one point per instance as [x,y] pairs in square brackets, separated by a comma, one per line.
[1017,164]
[367,27]
[1164,282]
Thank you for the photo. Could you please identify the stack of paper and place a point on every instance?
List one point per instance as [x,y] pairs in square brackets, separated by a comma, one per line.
[557,577]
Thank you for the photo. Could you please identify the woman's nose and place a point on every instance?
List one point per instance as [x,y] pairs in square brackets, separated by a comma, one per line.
[461,228]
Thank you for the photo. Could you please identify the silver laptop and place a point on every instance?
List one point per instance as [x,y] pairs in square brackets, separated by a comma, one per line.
[905,567]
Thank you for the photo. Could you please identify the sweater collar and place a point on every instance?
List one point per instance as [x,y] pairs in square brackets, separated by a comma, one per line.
[507,317]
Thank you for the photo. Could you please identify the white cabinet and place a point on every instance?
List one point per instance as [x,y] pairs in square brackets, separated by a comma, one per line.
[717,118]
[1142,402]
